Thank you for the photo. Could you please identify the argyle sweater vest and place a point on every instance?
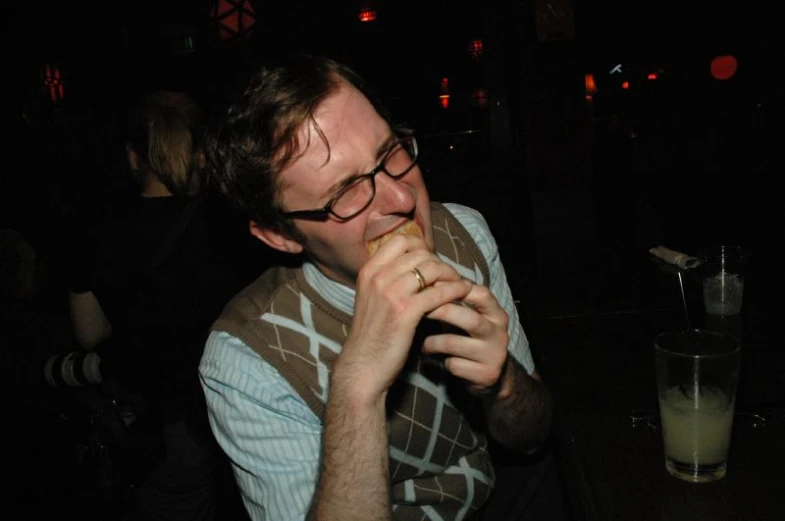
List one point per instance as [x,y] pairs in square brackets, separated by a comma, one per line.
[439,465]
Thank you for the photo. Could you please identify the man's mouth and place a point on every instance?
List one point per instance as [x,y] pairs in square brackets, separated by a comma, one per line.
[410,227]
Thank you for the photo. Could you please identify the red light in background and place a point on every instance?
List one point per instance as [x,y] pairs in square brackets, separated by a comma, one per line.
[444,97]
[234,19]
[475,48]
[53,82]
[652,76]
[625,85]
[367,14]
[480,97]
[723,67]
[591,86]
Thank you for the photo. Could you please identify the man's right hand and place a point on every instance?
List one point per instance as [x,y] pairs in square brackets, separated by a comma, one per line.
[388,307]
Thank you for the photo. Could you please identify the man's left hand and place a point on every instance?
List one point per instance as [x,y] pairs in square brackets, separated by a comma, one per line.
[480,357]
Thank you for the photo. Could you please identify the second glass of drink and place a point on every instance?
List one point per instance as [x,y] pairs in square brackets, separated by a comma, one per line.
[697,372]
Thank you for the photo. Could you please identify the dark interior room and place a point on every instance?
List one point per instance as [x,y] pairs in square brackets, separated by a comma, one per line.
[586,134]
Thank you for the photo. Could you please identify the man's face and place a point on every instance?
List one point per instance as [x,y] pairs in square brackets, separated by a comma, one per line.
[358,136]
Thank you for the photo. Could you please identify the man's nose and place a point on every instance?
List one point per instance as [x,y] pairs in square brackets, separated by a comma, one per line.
[393,196]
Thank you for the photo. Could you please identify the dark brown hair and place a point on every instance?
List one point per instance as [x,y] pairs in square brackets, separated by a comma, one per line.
[257,138]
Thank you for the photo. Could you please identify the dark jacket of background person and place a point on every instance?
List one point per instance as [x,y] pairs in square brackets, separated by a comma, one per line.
[148,314]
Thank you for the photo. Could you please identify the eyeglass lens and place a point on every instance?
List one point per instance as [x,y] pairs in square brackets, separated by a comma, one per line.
[355,197]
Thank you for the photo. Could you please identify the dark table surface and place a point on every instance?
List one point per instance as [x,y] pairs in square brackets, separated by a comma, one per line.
[600,367]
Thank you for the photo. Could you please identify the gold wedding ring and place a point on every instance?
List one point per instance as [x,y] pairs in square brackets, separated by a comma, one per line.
[420,279]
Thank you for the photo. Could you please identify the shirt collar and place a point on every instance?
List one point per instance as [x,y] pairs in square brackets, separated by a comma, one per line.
[338,295]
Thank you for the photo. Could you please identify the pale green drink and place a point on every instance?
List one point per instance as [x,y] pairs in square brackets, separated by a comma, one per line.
[697,371]
[696,432]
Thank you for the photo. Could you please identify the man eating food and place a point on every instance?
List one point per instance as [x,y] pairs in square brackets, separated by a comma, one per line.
[315,374]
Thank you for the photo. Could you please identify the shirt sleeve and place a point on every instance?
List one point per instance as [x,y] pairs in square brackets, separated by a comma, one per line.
[269,433]
[478,228]
[79,259]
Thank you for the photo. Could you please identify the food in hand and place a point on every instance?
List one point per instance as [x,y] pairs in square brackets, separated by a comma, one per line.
[409,228]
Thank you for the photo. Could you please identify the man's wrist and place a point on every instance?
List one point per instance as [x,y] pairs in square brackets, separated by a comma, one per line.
[507,380]
[355,387]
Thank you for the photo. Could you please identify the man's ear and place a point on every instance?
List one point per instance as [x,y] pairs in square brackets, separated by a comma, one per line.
[274,239]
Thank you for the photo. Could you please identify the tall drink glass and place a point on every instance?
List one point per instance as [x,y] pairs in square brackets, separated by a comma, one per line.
[722,277]
[697,372]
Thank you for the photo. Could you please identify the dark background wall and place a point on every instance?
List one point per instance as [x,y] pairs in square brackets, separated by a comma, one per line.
[693,155]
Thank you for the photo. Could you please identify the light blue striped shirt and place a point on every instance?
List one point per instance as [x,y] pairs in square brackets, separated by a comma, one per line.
[270,434]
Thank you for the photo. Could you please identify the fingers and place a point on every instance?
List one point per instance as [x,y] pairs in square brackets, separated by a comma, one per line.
[397,246]
[408,271]
[484,349]
[481,313]
[435,272]
[480,375]
[437,296]
[484,301]
[477,362]
[478,357]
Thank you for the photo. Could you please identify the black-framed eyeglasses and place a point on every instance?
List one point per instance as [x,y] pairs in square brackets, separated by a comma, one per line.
[358,192]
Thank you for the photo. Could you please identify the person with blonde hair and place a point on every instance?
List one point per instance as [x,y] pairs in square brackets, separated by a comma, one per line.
[163,145]
[144,293]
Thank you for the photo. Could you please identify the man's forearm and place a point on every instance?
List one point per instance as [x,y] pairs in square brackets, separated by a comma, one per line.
[354,476]
[519,416]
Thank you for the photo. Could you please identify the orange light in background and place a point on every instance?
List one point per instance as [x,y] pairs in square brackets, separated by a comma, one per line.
[591,86]
[52,81]
[475,48]
[652,76]
[367,14]
[444,97]
[723,67]
[625,85]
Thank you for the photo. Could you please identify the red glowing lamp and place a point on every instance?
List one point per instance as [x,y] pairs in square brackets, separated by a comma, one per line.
[723,67]
[444,97]
[476,48]
[591,86]
[367,14]
[234,19]
[52,80]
